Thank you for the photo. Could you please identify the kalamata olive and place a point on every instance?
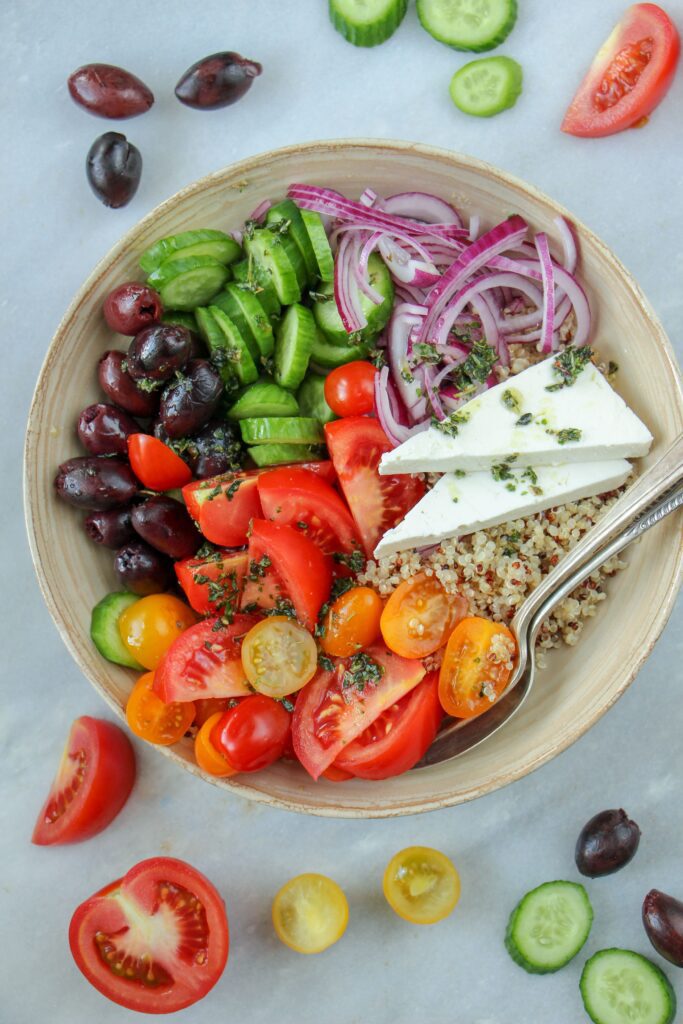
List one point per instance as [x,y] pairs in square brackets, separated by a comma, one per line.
[158,351]
[141,569]
[110,528]
[103,429]
[663,920]
[606,843]
[118,385]
[188,403]
[217,81]
[109,91]
[96,482]
[131,307]
[113,168]
[215,449]
[165,524]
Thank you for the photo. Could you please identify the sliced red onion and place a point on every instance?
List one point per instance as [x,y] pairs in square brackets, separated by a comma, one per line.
[543,249]
[567,283]
[407,293]
[237,235]
[368,197]
[404,268]
[422,206]
[386,411]
[402,322]
[475,225]
[480,284]
[493,336]
[346,292]
[261,210]
[568,244]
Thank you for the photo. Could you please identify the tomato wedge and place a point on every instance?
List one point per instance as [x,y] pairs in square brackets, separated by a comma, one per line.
[93,782]
[154,941]
[155,464]
[224,506]
[356,444]
[630,75]
[213,584]
[301,499]
[401,735]
[205,661]
[337,706]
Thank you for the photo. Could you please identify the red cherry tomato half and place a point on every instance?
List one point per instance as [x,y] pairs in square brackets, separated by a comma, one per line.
[154,941]
[302,499]
[155,465]
[254,734]
[350,389]
[214,584]
[93,782]
[205,661]
[224,507]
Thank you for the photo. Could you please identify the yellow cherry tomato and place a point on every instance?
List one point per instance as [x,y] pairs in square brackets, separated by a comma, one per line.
[206,755]
[352,623]
[421,885]
[151,719]
[419,616]
[149,627]
[279,656]
[310,913]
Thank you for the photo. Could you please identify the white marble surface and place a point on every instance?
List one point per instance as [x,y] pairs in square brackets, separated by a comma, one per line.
[628,189]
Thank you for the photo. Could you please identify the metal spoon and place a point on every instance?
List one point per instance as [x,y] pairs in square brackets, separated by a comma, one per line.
[652,497]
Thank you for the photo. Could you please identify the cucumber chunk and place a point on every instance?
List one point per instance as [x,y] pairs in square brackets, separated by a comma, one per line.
[187,283]
[293,344]
[249,276]
[327,315]
[618,985]
[327,356]
[485,87]
[264,398]
[468,24]
[549,926]
[289,430]
[288,213]
[104,628]
[321,247]
[204,242]
[255,318]
[268,251]
[281,454]
[180,319]
[311,398]
[367,22]
[226,301]
[238,358]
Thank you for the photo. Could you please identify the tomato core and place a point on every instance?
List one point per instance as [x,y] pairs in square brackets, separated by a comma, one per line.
[623,73]
[72,773]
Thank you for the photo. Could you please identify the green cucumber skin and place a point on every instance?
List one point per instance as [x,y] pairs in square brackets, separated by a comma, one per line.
[494,40]
[311,398]
[220,246]
[168,280]
[668,992]
[269,253]
[283,454]
[288,210]
[264,398]
[369,34]
[180,319]
[328,356]
[515,952]
[243,367]
[226,301]
[508,96]
[257,321]
[263,288]
[293,345]
[214,339]
[104,628]
[321,247]
[289,430]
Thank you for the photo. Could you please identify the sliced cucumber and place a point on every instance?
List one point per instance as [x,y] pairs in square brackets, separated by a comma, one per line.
[213,336]
[180,319]
[468,24]
[255,317]
[204,242]
[619,986]
[264,398]
[281,454]
[238,358]
[293,344]
[288,213]
[327,315]
[327,356]
[187,283]
[104,628]
[485,87]
[311,398]
[321,247]
[249,276]
[281,228]
[226,301]
[268,251]
[289,430]
[549,926]
[367,22]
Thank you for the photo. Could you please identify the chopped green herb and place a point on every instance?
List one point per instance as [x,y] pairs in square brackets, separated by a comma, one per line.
[510,486]
[451,425]
[281,607]
[524,420]
[476,367]
[510,400]
[325,663]
[501,471]
[568,365]
[425,352]
[257,570]
[567,434]
[362,670]
[355,561]
[233,488]
[530,474]
[459,473]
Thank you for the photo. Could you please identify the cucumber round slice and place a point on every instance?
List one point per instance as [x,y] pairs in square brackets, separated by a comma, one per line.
[327,356]
[618,985]
[250,277]
[293,344]
[288,213]
[180,319]
[487,86]
[204,242]
[214,339]
[255,318]
[281,454]
[321,247]
[281,430]
[327,315]
[468,24]
[268,252]
[104,628]
[237,358]
[226,301]
[187,283]
[311,398]
[367,22]
[549,926]
[264,398]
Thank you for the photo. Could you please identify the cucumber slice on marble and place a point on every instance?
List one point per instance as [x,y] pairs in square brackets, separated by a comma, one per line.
[549,926]
[468,24]
[485,87]
[367,22]
[618,985]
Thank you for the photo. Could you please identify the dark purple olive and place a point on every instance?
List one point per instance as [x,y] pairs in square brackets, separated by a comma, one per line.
[131,307]
[110,528]
[104,429]
[189,402]
[113,168]
[215,449]
[217,81]
[606,843]
[165,524]
[141,569]
[96,482]
[663,920]
[118,385]
[109,91]
[157,352]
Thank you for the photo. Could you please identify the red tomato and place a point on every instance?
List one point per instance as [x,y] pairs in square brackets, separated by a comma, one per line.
[207,707]
[299,498]
[154,941]
[254,734]
[350,389]
[155,464]
[93,782]
[401,735]
[629,77]
[205,661]
[213,584]
[377,503]
[328,714]
[224,506]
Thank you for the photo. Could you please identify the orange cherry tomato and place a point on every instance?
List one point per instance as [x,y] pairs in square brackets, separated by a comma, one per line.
[151,719]
[352,623]
[477,666]
[149,627]
[205,754]
[155,464]
[419,616]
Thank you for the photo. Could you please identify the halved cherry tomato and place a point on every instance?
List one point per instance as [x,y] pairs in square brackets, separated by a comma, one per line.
[421,885]
[337,706]
[310,913]
[213,584]
[350,389]
[93,782]
[301,499]
[476,667]
[149,627]
[630,75]
[154,941]
[254,734]
[153,720]
[205,662]
[209,759]
[279,656]
[402,734]
[377,503]
[224,506]
[352,623]
[205,707]
[420,616]
[155,464]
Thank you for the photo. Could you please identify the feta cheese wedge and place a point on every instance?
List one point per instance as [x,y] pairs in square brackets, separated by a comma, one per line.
[458,505]
[584,422]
